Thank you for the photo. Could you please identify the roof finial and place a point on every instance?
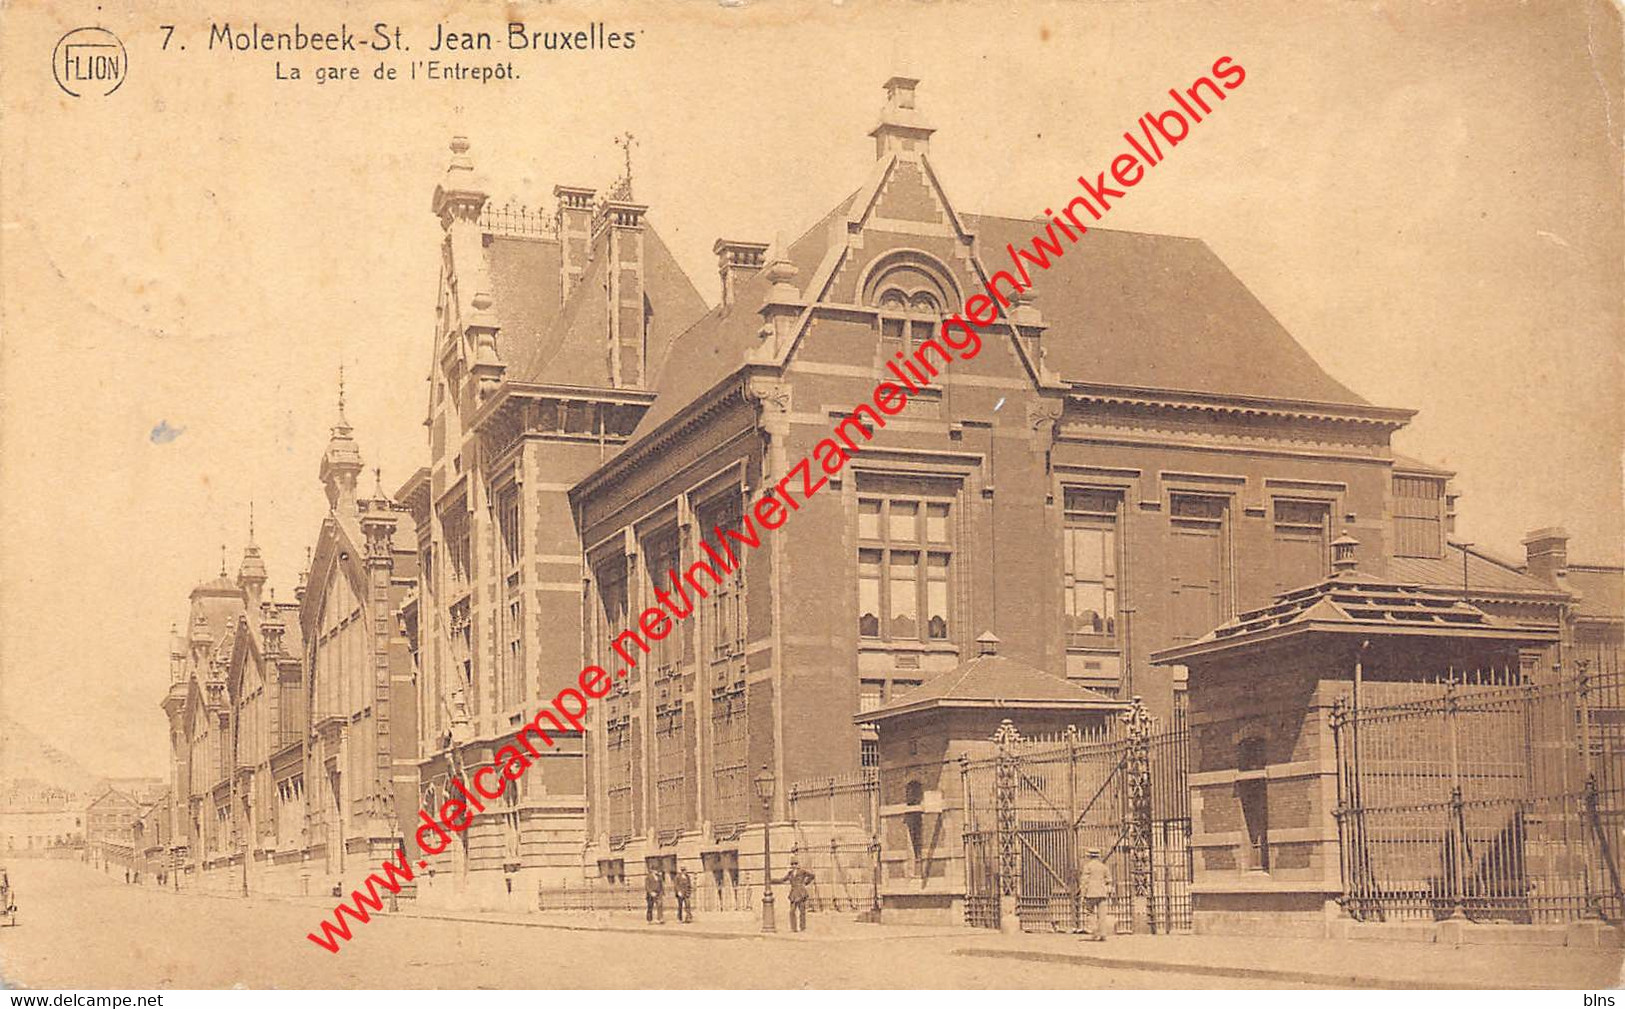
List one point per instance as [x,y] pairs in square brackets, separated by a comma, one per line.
[622,189]
[222,560]
[341,391]
[1344,563]
[250,521]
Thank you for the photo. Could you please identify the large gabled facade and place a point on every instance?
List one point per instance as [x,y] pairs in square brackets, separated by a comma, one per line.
[1137,451]
[286,773]
[360,750]
[548,335]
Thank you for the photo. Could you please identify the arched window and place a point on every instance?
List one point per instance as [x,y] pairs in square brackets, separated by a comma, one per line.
[912,292]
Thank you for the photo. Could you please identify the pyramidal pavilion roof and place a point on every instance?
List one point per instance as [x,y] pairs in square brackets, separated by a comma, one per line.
[993,681]
[1350,602]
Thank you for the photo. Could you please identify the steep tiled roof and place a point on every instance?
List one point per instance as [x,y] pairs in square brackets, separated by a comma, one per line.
[525,294]
[1601,588]
[1485,573]
[1159,312]
[720,342]
[1124,308]
[992,681]
[566,345]
[1356,603]
[1411,464]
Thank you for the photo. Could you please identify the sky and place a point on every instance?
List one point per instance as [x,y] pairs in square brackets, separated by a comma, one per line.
[1427,195]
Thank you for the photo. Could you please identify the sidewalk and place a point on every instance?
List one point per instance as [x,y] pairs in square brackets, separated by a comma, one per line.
[1333,963]
[1340,963]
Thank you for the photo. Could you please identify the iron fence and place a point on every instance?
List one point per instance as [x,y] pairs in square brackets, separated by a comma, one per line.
[835,826]
[1496,803]
[1033,811]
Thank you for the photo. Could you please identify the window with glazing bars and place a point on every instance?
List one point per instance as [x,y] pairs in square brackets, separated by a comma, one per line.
[730,765]
[663,558]
[1090,558]
[512,684]
[618,759]
[906,320]
[724,607]
[905,557]
[671,759]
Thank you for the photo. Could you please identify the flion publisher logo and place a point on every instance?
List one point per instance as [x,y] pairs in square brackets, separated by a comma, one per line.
[89,61]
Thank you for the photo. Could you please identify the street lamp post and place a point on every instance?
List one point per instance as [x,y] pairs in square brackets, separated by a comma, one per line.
[765,784]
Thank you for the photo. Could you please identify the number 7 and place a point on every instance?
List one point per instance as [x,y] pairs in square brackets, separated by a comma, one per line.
[169,32]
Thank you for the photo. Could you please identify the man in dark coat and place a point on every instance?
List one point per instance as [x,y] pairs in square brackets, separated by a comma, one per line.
[683,887]
[799,880]
[654,896]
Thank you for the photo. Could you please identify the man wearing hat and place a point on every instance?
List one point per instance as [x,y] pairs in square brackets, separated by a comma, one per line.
[683,888]
[798,879]
[1094,887]
[654,896]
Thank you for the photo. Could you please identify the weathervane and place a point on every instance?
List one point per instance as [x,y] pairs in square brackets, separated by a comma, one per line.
[622,189]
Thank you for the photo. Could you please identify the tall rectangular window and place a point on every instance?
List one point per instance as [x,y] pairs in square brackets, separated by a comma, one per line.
[1198,563]
[1419,516]
[731,796]
[664,558]
[618,771]
[671,761]
[512,686]
[725,607]
[612,608]
[1302,551]
[459,553]
[1090,561]
[905,556]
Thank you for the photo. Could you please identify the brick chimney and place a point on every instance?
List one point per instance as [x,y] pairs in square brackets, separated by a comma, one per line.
[575,234]
[902,129]
[737,260]
[1546,552]
[621,221]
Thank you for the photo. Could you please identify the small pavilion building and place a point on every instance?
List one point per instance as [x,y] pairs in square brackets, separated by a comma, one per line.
[1270,778]
[925,736]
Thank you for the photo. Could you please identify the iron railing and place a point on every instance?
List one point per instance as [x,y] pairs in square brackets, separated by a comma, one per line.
[1033,811]
[835,825]
[1498,803]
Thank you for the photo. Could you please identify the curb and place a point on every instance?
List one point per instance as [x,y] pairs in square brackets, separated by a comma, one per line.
[657,930]
[1214,970]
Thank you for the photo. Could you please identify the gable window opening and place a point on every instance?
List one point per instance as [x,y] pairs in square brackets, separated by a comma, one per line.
[904,561]
[907,319]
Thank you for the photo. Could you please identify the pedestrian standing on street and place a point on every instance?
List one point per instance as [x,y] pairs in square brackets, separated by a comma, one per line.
[683,887]
[1094,886]
[654,896]
[799,880]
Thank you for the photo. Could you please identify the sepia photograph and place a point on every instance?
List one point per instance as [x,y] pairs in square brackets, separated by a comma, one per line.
[811,495]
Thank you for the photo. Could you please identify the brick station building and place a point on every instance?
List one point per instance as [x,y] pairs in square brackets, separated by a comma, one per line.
[1139,451]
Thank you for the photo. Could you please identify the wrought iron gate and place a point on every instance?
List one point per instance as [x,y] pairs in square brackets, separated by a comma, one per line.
[1033,811]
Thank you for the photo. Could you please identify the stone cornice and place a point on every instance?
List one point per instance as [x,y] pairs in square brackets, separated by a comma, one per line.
[736,387]
[1391,418]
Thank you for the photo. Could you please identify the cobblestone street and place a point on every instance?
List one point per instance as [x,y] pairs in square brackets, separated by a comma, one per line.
[81,928]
